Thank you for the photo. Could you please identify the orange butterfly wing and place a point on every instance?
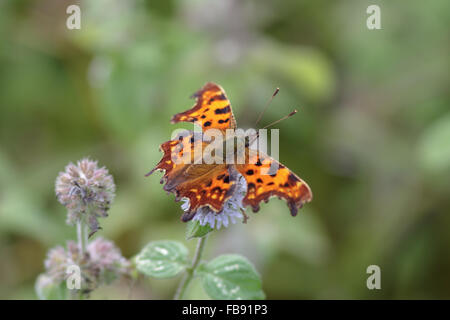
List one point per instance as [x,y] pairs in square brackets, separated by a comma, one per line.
[203,184]
[212,109]
[282,183]
[173,150]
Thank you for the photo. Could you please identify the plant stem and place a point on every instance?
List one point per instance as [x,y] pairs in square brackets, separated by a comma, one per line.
[82,236]
[189,275]
[82,240]
[85,237]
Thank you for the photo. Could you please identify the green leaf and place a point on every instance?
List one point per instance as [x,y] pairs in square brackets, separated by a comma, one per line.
[46,289]
[434,153]
[162,259]
[231,277]
[195,230]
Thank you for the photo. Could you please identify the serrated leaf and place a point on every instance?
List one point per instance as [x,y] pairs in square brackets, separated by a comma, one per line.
[231,277]
[195,230]
[162,259]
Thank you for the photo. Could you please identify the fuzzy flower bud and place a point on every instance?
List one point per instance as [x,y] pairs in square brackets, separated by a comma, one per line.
[107,259]
[101,264]
[86,191]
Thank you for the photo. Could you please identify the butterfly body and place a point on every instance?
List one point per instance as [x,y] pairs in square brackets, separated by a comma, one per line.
[211,184]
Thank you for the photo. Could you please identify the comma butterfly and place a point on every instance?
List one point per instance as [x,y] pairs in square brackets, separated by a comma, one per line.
[213,184]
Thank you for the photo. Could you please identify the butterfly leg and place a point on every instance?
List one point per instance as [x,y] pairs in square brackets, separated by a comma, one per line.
[246,217]
[187,216]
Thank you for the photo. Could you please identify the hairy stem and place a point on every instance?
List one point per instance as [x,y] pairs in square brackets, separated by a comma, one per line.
[190,272]
[85,237]
[82,241]
[82,236]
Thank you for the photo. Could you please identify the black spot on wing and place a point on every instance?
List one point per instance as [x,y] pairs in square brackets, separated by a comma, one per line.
[222,110]
[216,189]
[292,178]
[217,97]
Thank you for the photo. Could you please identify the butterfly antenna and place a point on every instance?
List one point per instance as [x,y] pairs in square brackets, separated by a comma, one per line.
[271,124]
[279,120]
[267,105]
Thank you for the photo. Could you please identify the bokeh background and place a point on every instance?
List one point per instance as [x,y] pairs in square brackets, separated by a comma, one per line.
[372,137]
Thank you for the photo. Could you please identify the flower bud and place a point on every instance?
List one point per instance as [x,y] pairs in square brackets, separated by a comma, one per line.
[86,191]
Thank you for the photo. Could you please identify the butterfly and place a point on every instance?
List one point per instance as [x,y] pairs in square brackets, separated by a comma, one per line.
[212,185]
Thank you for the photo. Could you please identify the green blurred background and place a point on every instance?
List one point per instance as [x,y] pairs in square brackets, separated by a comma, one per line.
[372,137]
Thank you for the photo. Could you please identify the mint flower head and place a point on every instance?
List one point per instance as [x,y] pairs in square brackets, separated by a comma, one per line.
[56,263]
[87,192]
[232,208]
[101,264]
[106,257]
